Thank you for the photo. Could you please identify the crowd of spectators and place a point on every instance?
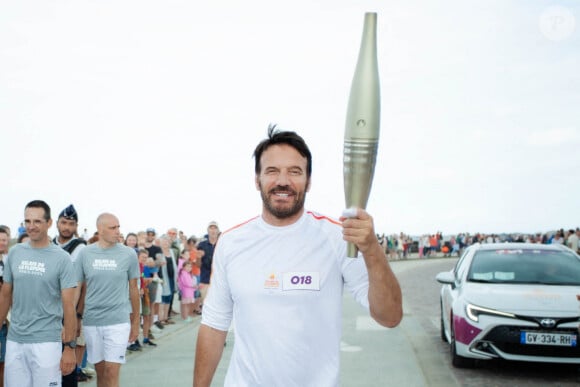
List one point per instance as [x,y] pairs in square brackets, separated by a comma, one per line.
[402,246]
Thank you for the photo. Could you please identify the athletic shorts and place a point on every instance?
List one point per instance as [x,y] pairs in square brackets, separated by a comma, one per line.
[108,343]
[3,333]
[81,339]
[33,364]
[145,311]
[159,293]
[152,292]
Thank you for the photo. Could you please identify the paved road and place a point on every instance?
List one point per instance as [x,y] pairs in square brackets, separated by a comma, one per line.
[411,354]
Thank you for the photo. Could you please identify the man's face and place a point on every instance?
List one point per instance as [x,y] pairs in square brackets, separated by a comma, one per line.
[66,228]
[150,237]
[36,226]
[4,241]
[212,232]
[282,182]
[109,229]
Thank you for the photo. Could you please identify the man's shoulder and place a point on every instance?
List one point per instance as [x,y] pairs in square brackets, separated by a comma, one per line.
[246,226]
[128,250]
[74,244]
[321,219]
[58,252]
[153,248]
[320,225]
[203,244]
[122,250]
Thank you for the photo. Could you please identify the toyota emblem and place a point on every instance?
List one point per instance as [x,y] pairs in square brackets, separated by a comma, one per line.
[548,323]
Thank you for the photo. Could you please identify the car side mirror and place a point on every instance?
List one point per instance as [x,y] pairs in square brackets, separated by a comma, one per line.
[446,278]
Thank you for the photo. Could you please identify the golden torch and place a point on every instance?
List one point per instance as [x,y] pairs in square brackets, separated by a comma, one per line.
[361,135]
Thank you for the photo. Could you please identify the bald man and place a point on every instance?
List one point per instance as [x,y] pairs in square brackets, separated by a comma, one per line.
[110,271]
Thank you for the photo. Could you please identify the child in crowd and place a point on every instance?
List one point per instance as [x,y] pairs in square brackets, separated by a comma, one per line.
[187,284]
[145,266]
[183,257]
[151,270]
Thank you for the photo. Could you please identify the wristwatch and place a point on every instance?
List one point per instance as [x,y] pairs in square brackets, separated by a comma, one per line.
[70,344]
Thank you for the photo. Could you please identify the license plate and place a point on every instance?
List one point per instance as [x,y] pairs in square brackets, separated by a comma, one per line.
[543,338]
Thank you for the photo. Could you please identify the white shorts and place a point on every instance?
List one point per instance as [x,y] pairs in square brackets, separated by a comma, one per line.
[81,339]
[35,364]
[159,293]
[108,343]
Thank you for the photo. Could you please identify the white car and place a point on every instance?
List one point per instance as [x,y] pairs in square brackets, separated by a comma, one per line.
[514,301]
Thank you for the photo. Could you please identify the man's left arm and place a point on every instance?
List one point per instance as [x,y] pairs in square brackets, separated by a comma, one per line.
[135,315]
[385,297]
[68,360]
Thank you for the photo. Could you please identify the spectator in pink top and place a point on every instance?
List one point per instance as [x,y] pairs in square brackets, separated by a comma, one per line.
[187,284]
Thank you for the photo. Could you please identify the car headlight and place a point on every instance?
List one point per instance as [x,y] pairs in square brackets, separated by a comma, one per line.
[474,311]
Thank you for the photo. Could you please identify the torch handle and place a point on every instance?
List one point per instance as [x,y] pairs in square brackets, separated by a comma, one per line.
[351,250]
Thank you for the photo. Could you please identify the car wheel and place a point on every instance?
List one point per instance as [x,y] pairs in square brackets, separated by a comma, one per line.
[456,360]
[443,336]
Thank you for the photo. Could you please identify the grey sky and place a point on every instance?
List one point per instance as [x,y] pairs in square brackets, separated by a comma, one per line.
[151,110]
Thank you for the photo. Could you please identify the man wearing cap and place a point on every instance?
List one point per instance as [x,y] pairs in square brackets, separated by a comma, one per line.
[67,225]
[207,246]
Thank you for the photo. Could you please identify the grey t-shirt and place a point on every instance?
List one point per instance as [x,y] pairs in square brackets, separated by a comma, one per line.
[107,273]
[38,276]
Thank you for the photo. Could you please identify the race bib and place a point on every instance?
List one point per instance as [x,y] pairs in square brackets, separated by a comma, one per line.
[300,280]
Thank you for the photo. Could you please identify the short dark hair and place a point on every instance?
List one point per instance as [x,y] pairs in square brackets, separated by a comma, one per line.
[40,204]
[276,137]
[4,230]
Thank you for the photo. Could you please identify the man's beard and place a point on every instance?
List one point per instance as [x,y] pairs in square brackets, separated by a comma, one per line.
[285,212]
[66,235]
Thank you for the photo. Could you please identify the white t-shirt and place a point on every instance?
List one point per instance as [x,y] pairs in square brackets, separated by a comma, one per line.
[573,242]
[282,287]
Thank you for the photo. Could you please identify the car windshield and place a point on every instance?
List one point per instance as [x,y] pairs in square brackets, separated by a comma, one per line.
[525,266]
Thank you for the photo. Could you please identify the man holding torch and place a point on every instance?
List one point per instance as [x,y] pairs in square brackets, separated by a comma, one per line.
[280,278]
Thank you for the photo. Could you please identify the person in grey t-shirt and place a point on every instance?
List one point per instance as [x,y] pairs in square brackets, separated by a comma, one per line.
[40,283]
[110,271]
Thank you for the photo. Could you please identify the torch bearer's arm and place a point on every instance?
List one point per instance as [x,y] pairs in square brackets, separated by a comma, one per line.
[385,297]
